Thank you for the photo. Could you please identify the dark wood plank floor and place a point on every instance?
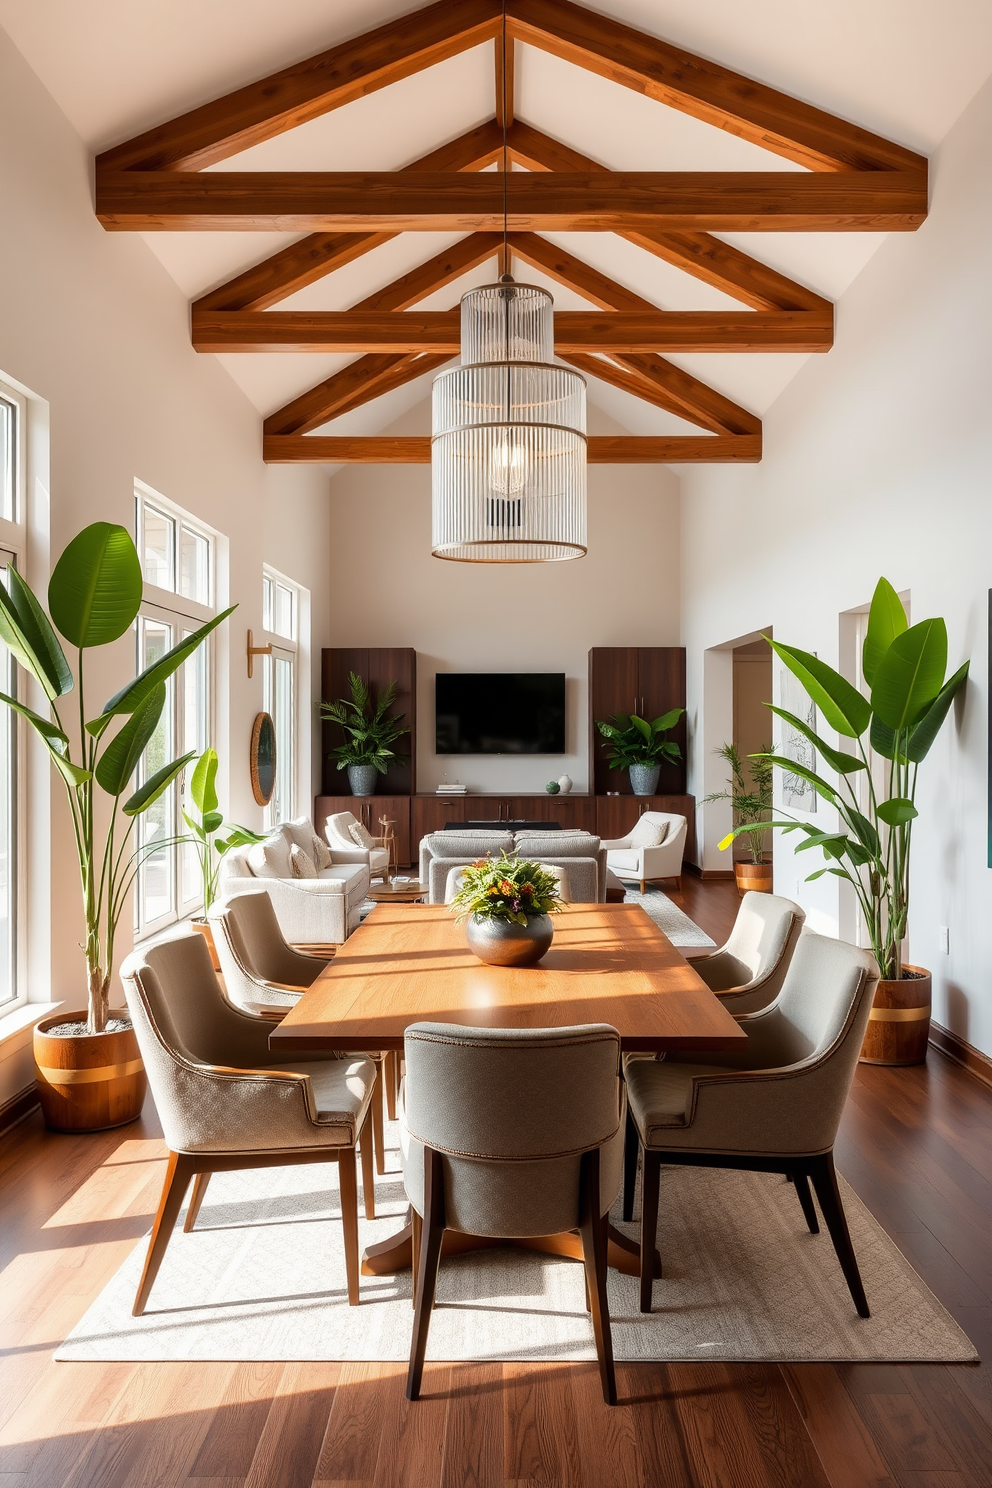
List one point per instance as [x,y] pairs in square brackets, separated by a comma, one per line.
[916,1144]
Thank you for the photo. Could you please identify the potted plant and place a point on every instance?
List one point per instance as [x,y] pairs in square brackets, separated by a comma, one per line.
[893,728]
[90,1074]
[752,807]
[210,848]
[639,747]
[369,731]
[508,903]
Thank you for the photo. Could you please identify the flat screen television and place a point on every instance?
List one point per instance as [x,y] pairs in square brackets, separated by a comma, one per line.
[499,712]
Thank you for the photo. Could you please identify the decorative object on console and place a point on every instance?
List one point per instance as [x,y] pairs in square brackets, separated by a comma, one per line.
[202,837]
[552,787]
[639,746]
[262,758]
[508,903]
[564,784]
[903,666]
[370,731]
[93,597]
[752,807]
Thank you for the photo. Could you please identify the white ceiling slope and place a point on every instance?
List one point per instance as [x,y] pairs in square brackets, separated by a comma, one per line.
[904,68]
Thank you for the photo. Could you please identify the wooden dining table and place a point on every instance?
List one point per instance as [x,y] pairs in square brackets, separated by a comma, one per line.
[410,963]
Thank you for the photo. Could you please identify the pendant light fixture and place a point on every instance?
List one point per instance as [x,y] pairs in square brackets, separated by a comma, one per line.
[508,443]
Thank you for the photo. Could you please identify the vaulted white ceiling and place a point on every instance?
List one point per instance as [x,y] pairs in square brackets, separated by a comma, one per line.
[903,68]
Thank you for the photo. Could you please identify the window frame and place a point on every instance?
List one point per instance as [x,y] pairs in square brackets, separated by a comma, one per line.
[13,546]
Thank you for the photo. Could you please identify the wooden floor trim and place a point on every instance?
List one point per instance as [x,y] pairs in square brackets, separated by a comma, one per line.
[963,1053]
[16,1108]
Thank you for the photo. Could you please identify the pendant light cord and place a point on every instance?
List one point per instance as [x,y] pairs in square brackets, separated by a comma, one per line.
[506,162]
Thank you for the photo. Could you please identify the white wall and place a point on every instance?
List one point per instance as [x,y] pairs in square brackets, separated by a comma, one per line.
[387,590]
[91,323]
[877,461]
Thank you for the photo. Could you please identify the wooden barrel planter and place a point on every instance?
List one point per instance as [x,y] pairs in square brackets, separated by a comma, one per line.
[756,876]
[204,928]
[899,1022]
[89,1081]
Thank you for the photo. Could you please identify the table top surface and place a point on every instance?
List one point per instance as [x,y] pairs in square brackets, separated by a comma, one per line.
[410,963]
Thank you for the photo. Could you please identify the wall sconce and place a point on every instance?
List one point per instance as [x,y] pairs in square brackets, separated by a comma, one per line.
[254,651]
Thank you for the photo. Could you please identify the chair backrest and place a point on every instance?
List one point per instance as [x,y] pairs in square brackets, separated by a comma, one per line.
[669,821]
[827,991]
[252,949]
[764,926]
[456,877]
[337,829]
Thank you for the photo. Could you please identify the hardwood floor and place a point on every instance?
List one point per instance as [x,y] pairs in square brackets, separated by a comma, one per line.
[916,1144]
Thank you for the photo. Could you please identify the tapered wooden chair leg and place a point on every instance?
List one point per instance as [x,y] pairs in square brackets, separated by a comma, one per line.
[365,1145]
[391,1080]
[824,1176]
[416,1236]
[430,1257]
[631,1148]
[348,1178]
[196,1199]
[378,1096]
[801,1181]
[177,1178]
[593,1231]
[650,1183]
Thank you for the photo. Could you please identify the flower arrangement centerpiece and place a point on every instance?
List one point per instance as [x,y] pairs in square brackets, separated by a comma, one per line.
[508,904]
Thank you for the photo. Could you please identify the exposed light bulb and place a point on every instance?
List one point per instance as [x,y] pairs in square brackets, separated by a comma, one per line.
[509,465]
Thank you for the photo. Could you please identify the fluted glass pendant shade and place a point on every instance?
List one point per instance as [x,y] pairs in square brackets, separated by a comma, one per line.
[508,450]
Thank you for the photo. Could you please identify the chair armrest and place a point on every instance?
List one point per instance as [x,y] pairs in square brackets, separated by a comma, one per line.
[268,1014]
[354,854]
[617,844]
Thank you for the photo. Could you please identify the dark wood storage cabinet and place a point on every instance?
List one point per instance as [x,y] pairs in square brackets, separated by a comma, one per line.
[430,812]
[647,680]
[376,665]
[368,810]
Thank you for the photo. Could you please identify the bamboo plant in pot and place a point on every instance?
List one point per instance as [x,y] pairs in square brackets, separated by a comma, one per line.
[639,746]
[90,1074]
[892,730]
[752,807]
[370,731]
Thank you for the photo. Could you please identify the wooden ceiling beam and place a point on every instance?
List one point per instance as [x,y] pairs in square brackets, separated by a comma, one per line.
[674,449]
[319,254]
[438,331]
[694,85]
[384,201]
[716,263]
[308,89]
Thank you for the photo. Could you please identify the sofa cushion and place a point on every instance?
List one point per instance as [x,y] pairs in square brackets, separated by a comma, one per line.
[299,832]
[301,863]
[468,845]
[321,853]
[354,877]
[270,859]
[624,860]
[647,833]
[361,834]
[533,845]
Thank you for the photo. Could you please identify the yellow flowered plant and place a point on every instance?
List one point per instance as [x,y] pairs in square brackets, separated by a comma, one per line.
[507,889]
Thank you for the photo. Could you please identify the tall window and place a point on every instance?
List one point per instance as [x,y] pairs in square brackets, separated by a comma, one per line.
[177,563]
[13,409]
[281,620]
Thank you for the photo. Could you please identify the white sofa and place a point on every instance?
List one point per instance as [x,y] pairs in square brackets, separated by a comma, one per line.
[652,849]
[319,910]
[579,853]
[337,830]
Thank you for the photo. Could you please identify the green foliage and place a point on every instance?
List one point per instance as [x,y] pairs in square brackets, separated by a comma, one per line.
[507,888]
[634,741]
[751,800]
[904,666]
[93,599]
[202,836]
[369,728]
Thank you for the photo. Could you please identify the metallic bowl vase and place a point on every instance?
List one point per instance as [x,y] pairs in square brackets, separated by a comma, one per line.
[500,943]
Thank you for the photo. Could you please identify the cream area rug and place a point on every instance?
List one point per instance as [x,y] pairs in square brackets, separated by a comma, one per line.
[262,1278]
[671,921]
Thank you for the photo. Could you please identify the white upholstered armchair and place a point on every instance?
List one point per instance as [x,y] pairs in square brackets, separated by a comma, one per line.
[351,846]
[652,849]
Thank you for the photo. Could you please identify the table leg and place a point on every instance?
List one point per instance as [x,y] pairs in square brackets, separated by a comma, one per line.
[396,1253]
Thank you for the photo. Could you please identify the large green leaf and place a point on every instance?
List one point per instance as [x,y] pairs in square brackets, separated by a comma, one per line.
[864,830]
[28,632]
[928,727]
[136,691]
[95,591]
[203,785]
[791,767]
[910,674]
[844,764]
[54,740]
[667,720]
[897,811]
[883,738]
[156,785]
[841,704]
[886,620]
[120,758]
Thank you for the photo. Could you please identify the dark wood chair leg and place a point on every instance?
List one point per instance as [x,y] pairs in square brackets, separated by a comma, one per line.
[391,1066]
[650,1183]
[631,1148]
[592,1228]
[430,1256]
[365,1145]
[416,1236]
[824,1176]
[801,1181]
[348,1178]
[177,1178]
[196,1199]
[378,1096]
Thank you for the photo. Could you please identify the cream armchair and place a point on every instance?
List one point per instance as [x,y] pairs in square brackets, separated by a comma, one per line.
[652,850]
[345,847]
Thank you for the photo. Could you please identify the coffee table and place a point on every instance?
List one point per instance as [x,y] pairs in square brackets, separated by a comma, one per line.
[410,963]
[394,893]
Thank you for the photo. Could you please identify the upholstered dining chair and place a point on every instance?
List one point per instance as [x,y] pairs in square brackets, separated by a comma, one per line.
[774,1107]
[747,972]
[263,974]
[456,876]
[223,1102]
[511,1133]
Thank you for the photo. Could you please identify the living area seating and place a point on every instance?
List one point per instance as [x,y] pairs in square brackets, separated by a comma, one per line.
[775,1107]
[352,842]
[579,853]
[226,1102]
[316,892]
[455,878]
[511,1133]
[747,972]
[651,851]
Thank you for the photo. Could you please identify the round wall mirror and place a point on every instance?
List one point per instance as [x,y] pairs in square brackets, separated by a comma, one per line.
[263,758]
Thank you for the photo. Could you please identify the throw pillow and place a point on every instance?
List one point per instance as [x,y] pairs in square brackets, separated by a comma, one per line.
[270,859]
[321,852]
[302,865]
[361,835]
[647,833]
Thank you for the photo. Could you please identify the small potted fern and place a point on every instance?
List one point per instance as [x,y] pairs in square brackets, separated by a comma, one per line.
[752,807]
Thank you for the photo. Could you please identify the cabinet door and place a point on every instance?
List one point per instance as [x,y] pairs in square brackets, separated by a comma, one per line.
[661,686]
[613,682]
[398,664]
[573,813]
[336,664]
